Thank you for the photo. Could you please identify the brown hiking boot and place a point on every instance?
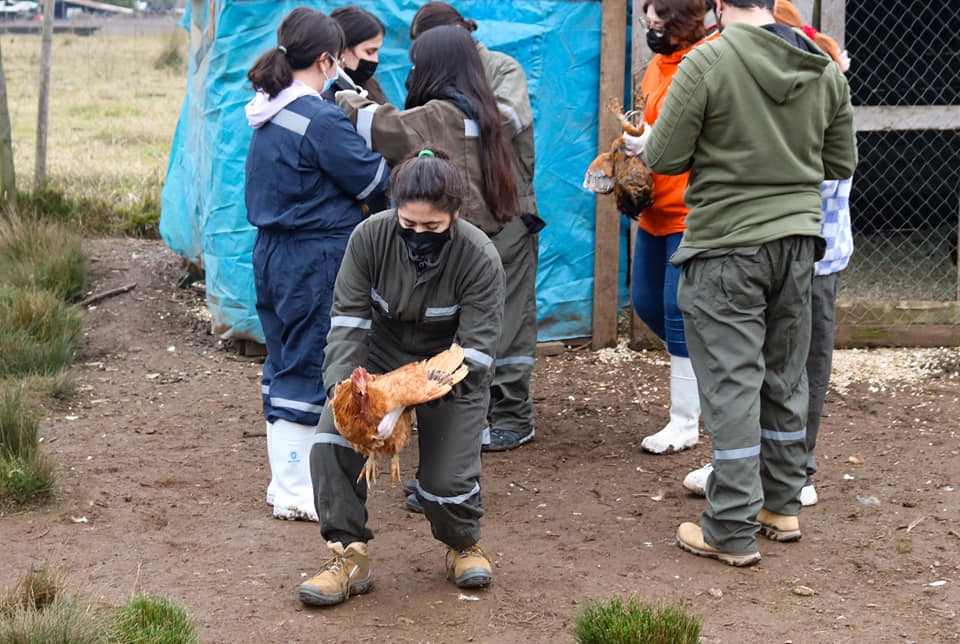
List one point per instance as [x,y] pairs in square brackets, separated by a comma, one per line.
[345,573]
[690,538]
[779,527]
[469,567]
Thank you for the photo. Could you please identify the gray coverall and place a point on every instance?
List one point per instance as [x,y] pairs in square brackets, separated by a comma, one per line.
[388,311]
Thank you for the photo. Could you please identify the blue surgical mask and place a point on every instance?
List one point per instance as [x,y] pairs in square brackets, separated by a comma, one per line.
[328,82]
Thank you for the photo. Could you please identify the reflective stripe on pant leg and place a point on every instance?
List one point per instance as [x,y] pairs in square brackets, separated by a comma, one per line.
[340,500]
[723,309]
[511,406]
[449,476]
[784,396]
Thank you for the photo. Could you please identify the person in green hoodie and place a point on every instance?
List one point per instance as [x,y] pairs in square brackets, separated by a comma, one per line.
[760,116]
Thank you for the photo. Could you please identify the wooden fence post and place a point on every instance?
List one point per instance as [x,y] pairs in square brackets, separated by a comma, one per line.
[606,261]
[43,107]
[8,178]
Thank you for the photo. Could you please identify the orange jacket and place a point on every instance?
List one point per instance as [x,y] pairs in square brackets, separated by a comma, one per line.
[667,214]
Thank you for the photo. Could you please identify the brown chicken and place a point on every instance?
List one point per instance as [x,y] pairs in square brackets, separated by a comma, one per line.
[627,176]
[371,411]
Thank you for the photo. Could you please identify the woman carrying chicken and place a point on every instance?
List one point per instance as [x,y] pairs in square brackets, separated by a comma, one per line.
[414,280]
[674,27]
[307,173]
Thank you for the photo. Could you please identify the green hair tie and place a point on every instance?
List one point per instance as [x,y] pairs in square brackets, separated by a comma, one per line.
[426,153]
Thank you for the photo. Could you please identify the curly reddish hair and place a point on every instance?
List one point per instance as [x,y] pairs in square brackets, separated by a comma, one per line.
[682,19]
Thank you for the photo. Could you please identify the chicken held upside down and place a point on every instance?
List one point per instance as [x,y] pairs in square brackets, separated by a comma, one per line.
[372,411]
[626,176]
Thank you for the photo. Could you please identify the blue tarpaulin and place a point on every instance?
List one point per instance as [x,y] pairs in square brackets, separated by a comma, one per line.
[203,215]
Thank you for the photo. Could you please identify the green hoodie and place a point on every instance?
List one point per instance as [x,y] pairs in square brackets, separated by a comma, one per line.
[760,123]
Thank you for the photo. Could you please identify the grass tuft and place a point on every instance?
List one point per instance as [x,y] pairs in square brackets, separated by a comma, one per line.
[18,426]
[38,332]
[66,621]
[36,590]
[42,254]
[635,622]
[26,481]
[154,619]
[172,56]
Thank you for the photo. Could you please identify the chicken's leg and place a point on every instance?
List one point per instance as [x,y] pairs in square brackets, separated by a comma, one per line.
[369,471]
[395,469]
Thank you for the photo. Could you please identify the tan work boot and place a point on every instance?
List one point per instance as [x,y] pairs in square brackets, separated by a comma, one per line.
[779,527]
[469,567]
[345,573]
[690,538]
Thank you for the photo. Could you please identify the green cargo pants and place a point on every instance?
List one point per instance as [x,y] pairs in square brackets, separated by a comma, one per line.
[449,477]
[746,316]
[511,406]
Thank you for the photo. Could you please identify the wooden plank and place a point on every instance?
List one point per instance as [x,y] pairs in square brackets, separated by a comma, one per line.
[907,117]
[833,20]
[850,336]
[613,51]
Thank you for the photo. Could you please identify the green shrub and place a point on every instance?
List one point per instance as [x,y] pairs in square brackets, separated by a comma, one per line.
[172,55]
[18,425]
[38,332]
[153,619]
[26,481]
[57,389]
[635,622]
[37,253]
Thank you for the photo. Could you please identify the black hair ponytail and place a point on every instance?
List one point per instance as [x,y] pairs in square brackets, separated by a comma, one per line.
[430,177]
[303,36]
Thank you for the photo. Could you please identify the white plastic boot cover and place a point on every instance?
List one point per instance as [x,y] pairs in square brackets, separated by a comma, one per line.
[289,447]
[683,430]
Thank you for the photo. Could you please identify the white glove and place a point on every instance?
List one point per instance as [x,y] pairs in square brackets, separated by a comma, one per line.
[844,61]
[634,145]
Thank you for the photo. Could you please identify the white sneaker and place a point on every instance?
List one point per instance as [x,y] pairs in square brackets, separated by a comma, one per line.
[808,495]
[696,481]
[683,430]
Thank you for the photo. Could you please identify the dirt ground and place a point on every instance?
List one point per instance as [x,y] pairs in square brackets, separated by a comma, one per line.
[162,461]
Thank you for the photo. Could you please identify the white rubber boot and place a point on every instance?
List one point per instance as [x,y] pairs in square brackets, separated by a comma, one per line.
[683,430]
[289,447]
[696,481]
[272,486]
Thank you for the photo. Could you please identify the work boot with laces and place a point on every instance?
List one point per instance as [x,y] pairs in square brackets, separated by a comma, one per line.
[469,567]
[345,573]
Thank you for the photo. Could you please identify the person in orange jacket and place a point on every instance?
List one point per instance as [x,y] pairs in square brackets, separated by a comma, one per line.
[674,27]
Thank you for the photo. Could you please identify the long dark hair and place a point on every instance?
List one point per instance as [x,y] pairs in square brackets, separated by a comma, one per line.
[428,176]
[436,14]
[447,67]
[360,25]
[304,36]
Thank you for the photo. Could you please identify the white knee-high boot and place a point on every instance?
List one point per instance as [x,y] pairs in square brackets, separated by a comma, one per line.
[272,486]
[683,430]
[289,447]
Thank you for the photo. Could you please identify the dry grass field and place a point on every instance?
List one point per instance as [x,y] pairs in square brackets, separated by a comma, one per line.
[112,113]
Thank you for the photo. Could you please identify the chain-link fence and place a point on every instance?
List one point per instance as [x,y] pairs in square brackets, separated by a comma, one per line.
[906,191]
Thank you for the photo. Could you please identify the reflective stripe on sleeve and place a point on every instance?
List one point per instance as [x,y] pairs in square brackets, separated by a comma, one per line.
[365,123]
[478,356]
[379,300]
[511,113]
[470,128]
[291,121]
[440,311]
[351,322]
[375,182]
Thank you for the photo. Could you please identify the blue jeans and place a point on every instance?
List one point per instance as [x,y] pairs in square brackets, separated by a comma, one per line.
[654,289]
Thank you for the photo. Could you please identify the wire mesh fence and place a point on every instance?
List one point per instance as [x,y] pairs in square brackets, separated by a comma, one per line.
[906,192]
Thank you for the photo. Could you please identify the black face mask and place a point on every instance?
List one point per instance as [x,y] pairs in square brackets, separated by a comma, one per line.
[659,42]
[423,244]
[363,72]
